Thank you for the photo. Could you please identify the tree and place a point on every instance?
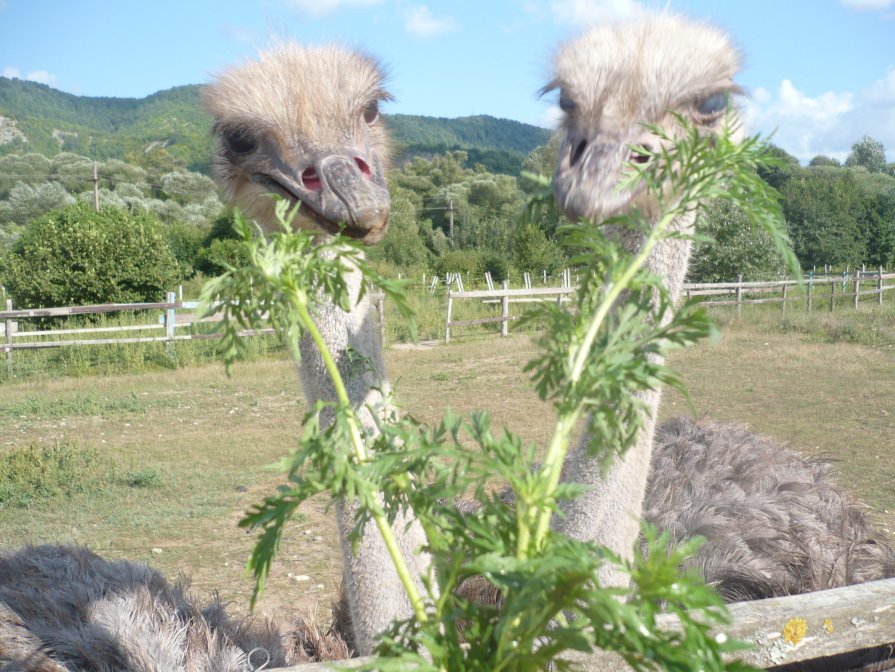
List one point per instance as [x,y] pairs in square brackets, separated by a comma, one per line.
[735,247]
[822,160]
[78,256]
[532,251]
[867,153]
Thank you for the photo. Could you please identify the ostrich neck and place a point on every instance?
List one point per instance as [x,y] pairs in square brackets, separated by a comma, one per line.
[609,511]
[375,593]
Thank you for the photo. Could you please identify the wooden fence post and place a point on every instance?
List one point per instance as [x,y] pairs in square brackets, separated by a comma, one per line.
[447,322]
[810,286]
[879,286]
[832,293]
[170,322]
[739,295]
[783,302]
[505,311]
[8,326]
[380,308]
[857,286]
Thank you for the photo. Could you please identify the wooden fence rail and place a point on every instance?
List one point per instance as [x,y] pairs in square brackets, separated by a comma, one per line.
[784,292]
[838,629]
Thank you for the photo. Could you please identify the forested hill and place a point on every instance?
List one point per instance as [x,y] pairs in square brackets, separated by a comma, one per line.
[37,118]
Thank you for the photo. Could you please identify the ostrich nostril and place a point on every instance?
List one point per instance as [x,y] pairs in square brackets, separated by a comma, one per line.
[364,168]
[641,157]
[576,155]
[311,179]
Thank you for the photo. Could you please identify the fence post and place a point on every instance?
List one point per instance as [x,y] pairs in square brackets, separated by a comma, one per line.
[739,295]
[380,308]
[857,285]
[447,322]
[810,285]
[170,322]
[783,302]
[879,286]
[505,310]
[832,293]
[8,326]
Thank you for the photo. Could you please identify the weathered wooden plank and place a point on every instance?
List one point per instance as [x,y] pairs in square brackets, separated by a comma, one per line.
[499,293]
[482,320]
[85,310]
[812,631]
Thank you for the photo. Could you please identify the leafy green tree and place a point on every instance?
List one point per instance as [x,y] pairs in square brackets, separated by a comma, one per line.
[29,201]
[867,153]
[823,161]
[785,164]
[404,245]
[823,208]
[221,248]
[736,247]
[78,256]
[532,251]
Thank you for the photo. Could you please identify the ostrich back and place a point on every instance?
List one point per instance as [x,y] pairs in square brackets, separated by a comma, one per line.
[65,608]
[774,521]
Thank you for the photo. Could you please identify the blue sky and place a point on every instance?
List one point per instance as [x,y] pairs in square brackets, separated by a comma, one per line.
[820,72]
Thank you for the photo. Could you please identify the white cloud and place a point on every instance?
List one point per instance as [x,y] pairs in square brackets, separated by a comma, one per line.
[419,21]
[551,117]
[238,34]
[829,123]
[586,12]
[41,76]
[321,7]
[868,4]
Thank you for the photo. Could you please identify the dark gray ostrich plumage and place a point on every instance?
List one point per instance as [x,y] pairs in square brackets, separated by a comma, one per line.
[64,608]
[774,521]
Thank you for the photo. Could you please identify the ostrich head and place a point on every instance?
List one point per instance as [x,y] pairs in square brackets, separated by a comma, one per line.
[303,123]
[614,78]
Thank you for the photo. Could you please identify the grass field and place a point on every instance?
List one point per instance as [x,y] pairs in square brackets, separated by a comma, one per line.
[159,466]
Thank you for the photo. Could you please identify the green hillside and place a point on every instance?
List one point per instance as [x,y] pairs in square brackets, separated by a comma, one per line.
[48,121]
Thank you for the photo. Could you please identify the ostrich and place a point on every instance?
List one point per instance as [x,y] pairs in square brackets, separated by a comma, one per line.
[775,523]
[303,124]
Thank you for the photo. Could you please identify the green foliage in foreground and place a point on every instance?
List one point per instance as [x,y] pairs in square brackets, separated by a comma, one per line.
[595,359]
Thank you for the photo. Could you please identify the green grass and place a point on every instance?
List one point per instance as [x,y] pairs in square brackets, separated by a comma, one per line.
[34,474]
[169,459]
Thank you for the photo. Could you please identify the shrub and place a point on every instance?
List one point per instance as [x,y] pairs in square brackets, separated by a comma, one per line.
[76,256]
[36,473]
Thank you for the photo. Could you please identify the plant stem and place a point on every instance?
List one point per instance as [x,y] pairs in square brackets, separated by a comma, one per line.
[360,453]
[565,424]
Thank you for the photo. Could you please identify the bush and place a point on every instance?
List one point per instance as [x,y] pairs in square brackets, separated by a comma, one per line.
[736,247]
[36,473]
[76,256]
[222,247]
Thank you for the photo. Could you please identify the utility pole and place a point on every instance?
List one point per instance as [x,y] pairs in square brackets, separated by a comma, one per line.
[451,220]
[95,189]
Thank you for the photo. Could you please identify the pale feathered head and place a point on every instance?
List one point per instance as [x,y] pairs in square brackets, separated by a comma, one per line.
[612,79]
[303,123]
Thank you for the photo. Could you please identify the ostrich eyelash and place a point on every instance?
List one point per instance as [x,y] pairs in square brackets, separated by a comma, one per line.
[238,140]
[711,108]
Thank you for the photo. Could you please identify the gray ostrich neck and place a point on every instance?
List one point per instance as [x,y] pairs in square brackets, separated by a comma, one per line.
[609,511]
[375,593]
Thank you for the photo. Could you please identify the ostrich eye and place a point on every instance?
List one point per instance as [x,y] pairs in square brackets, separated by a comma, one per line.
[239,140]
[566,104]
[711,108]
[371,112]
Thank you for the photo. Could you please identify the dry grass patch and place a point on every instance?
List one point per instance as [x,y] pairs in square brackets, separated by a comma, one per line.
[209,441]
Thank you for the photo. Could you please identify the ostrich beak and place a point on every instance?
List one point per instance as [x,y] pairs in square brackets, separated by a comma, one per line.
[339,192]
[588,180]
